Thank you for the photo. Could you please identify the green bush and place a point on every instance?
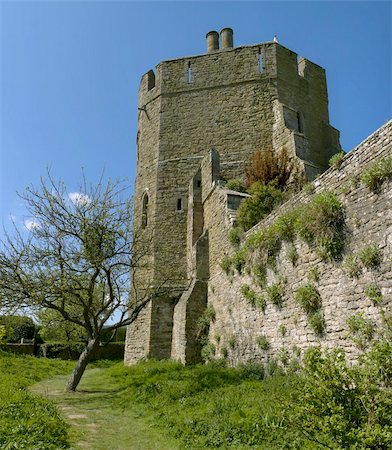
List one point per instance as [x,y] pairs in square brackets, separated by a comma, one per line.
[336,160]
[235,237]
[317,322]
[262,342]
[203,323]
[275,294]
[361,330]
[282,330]
[235,185]
[224,352]
[370,257]
[239,260]
[313,274]
[249,294]
[374,293]
[232,342]
[292,254]
[308,297]
[351,266]
[340,406]
[259,274]
[376,174]
[226,264]
[208,351]
[17,328]
[264,198]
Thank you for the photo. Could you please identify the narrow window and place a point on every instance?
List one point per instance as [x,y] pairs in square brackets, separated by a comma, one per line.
[261,62]
[179,204]
[145,210]
[189,73]
[299,122]
[198,183]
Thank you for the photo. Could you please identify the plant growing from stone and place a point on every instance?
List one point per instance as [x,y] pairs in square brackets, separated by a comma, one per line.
[235,185]
[275,294]
[232,342]
[376,174]
[373,292]
[262,342]
[235,237]
[313,274]
[208,351]
[203,323]
[282,330]
[249,294]
[308,297]
[317,322]
[224,352]
[292,254]
[336,160]
[351,266]
[361,330]
[370,257]
[226,264]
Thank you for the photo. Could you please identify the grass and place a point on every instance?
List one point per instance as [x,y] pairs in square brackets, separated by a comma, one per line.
[28,421]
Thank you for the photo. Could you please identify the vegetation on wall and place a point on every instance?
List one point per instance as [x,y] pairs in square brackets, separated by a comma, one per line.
[376,174]
[309,299]
[361,330]
[336,160]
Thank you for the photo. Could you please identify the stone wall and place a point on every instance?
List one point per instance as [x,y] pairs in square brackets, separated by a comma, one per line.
[368,218]
[230,100]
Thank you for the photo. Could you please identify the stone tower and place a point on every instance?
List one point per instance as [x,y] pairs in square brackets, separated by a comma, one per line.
[232,99]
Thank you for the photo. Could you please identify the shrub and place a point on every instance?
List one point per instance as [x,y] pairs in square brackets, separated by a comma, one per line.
[308,297]
[235,185]
[262,342]
[336,160]
[309,188]
[203,323]
[232,342]
[370,257]
[283,356]
[239,260]
[208,351]
[317,322]
[292,254]
[374,293]
[264,198]
[226,264]
[235,236]
[351,266]
[249,294]
[282,330]
[313,274]
[375,175]
[261,302]
[275,293]
[361,329]
[322,221]
[343,406]
[267,166]
[259,274]
[18,328]
[224,352]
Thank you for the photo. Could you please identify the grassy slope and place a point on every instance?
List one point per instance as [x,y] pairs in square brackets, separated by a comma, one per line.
[28,421]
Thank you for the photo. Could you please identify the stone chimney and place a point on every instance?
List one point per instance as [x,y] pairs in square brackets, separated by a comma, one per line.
[227,38]
[212,41]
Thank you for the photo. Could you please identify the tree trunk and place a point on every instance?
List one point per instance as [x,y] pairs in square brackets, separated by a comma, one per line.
[81,365]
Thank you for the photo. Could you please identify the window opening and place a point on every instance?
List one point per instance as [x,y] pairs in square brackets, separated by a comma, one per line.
[189,73]
[261,62]
[299,121]
[179,204]
[145,210]
[198,183]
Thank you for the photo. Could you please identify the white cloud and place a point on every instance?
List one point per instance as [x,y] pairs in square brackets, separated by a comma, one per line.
[31,224]
[79,199]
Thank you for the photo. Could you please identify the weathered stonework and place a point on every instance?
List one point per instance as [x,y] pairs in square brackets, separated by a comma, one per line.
[234,100]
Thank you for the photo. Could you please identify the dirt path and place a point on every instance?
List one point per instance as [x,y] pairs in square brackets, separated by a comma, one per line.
[97,423]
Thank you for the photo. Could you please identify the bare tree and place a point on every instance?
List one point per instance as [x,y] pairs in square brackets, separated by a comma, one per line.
[78,259]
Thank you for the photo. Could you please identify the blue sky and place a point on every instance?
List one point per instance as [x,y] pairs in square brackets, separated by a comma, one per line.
[70,73]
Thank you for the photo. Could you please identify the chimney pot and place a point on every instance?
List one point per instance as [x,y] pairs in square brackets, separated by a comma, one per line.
[212,41]
[227,38]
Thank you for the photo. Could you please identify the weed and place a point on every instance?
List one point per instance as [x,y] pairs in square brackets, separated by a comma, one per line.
[239,260]
[217,338]
[226,264]
[284,356]
[282,330]
[235,237]
[317,322]
[313,274]
[261,302]
[204,322]
[275,294]
[224,352]
[375,175]
[262,342]
[208,351]
[260,274]
[235,185]
[249,294]
[292,254]
[336,160]
[370,257]
[374,293]
[361,330]
[232,342]
[351,266]
[308,297]
[308,188]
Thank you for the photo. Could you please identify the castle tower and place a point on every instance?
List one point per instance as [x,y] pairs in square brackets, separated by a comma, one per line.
[235,100]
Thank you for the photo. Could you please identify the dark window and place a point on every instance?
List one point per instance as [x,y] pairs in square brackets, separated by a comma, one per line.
[300,123]
[179,204]
[145,210]
[189,73]
[198,183]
